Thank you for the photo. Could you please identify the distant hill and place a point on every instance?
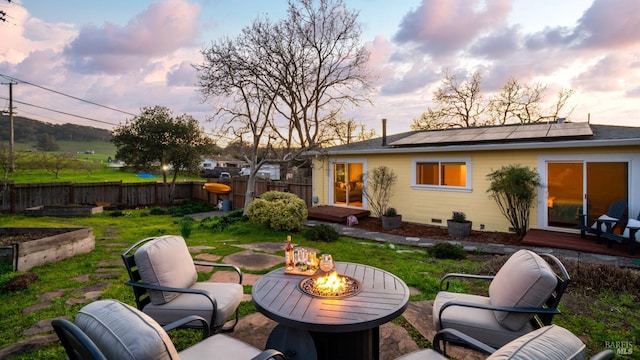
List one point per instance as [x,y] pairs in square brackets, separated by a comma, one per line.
[25,129]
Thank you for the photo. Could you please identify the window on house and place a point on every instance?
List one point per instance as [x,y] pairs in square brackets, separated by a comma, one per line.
[442,173]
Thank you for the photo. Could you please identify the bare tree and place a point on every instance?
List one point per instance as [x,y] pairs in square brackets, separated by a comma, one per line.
[459,103]
[429,120]
[562,98]
[283,83]
[347,131]
[517,103]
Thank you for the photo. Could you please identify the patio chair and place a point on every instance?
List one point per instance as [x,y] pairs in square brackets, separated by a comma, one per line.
[163,276]
[630,235]
[523,296]
[109,329]
[605,223]
[549,342]
[76,343]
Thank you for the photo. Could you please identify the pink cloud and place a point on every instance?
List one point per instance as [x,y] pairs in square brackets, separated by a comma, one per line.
[611,73]
[161,29]
[182,75]
[446,26]
[611,23]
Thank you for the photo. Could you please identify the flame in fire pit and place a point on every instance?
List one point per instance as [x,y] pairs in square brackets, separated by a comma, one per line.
[330,285]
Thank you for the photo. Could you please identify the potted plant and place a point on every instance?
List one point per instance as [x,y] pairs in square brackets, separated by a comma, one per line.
[458,226]
[391,219]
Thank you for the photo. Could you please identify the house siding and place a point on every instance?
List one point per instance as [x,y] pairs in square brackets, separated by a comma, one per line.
[426,205]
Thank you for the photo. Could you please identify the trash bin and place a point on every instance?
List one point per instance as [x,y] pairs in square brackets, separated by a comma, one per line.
[226,205]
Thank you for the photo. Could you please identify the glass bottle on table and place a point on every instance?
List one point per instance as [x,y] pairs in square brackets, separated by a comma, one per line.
[288,254]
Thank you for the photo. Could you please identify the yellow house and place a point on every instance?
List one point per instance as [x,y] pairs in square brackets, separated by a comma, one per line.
[583,169]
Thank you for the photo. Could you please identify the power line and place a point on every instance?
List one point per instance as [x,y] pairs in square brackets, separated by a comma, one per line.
[67,95]
[62,112]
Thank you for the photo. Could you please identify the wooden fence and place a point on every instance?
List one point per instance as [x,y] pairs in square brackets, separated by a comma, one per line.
[15,198]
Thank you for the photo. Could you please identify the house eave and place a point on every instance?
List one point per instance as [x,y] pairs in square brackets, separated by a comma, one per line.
[486,147]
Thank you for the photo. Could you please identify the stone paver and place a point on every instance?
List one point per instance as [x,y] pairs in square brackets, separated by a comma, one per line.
[253,261]
[232,276]
[207,257]
[199,248]
[36,307]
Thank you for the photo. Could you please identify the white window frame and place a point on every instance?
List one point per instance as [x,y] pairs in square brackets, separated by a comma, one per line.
[440,161]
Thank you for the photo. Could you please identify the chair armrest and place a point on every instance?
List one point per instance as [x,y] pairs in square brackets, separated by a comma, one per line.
[463,276]
[232,267]
[448,335]
[184,321]
[604,355]
[517,309]
[214,302]
[269,354]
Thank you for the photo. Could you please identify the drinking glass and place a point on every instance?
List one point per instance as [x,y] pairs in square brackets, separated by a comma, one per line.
[326,262]
[303,255]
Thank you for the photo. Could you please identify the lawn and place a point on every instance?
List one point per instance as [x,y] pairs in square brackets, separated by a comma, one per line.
[93,165]
[597,313]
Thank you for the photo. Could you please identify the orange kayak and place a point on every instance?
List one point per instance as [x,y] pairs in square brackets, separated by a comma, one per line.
[217,188]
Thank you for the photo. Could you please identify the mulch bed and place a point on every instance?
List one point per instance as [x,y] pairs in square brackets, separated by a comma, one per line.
[435,232]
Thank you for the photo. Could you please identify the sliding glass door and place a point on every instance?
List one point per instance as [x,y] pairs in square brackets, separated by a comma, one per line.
[347,183]
[577,187]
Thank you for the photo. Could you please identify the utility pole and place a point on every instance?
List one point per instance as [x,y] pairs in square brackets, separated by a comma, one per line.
[12,165]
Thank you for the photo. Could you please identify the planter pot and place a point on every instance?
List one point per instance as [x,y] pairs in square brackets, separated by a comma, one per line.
[459,229]
[391,222]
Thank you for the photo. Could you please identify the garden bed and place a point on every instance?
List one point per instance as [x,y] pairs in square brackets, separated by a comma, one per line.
[29,247]
[64,210]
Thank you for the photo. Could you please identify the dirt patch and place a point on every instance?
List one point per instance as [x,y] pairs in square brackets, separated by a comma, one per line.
[435,232]
[20,238]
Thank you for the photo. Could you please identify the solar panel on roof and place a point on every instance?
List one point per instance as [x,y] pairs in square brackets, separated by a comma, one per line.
[544,131]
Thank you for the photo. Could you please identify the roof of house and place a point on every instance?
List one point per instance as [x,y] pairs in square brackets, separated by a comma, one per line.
[528,136]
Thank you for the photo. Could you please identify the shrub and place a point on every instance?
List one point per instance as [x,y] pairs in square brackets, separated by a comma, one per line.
[459,216]
[220,223]
[117,213]
[445,250]
[186,226]
[190,207]
[156,210]
[321,232]
[391,212]
[514,188]
[278,211]
[378,188]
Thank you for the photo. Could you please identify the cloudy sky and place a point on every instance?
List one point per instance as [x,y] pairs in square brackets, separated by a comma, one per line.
[125,55]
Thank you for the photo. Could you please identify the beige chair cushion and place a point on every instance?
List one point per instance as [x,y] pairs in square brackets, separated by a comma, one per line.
[632,223]
[525,280]
[219,346]
[228,296]
[549,342]
[426,354]
[122,332]
[166,261]
[477,323]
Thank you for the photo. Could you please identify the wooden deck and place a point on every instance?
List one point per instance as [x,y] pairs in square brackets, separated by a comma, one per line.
[554,239]
[335,214]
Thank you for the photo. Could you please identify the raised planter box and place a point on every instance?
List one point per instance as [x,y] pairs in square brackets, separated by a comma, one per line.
[64,211]
[18,246]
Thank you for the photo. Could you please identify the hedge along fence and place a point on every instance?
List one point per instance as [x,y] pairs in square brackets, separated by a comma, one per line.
[15,198]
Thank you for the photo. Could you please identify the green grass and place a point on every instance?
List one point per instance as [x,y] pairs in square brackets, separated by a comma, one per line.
[603,316]
[27,170]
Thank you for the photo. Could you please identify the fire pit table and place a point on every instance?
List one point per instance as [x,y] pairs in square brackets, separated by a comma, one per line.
[334,326]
